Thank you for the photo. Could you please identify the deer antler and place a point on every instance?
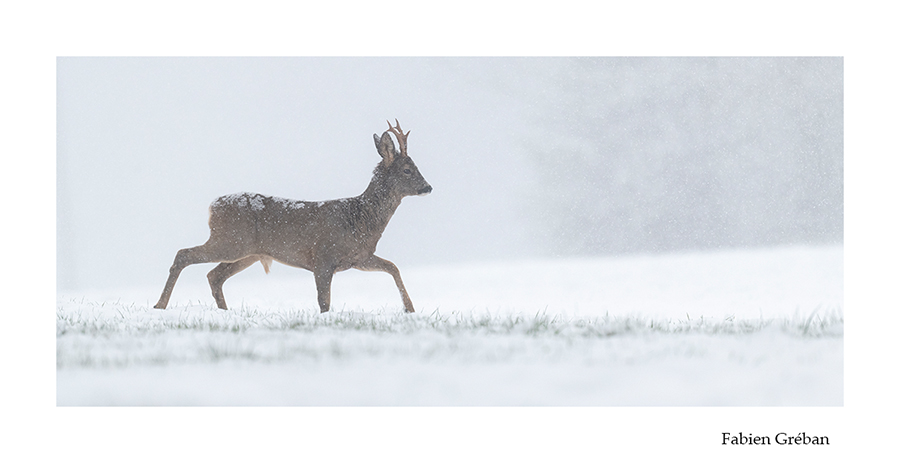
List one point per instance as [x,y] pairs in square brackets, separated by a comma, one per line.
[401,138]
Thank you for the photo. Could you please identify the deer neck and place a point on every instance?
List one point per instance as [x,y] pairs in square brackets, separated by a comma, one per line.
[379,203]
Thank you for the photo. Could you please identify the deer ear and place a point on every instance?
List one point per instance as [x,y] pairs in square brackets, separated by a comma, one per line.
[385,147]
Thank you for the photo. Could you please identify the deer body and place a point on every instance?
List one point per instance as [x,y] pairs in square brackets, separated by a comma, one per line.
[324,237]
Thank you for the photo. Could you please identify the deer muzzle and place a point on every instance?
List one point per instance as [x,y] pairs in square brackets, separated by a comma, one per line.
[425,191]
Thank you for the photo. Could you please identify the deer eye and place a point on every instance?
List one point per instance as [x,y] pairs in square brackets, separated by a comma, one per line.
[407,171]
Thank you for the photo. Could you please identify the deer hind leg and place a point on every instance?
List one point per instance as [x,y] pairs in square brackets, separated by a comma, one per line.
[375,263]
[224,271]
[202,254]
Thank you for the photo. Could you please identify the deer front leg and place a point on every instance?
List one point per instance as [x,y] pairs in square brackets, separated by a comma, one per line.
[375,263]
[323,287]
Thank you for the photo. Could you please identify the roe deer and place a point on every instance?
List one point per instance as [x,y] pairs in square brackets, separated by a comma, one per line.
[324,237]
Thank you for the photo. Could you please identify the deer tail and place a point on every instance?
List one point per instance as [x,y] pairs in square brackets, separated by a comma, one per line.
[266,262]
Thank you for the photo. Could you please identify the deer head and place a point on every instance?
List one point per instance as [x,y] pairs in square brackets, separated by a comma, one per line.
[400,172]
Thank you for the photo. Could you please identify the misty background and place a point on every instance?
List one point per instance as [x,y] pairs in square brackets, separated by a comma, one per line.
[528,157]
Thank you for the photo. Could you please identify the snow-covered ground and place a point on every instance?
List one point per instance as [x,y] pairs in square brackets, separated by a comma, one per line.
[740,327]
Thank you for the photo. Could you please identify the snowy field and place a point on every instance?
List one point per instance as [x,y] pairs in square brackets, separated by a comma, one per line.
[744,327]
